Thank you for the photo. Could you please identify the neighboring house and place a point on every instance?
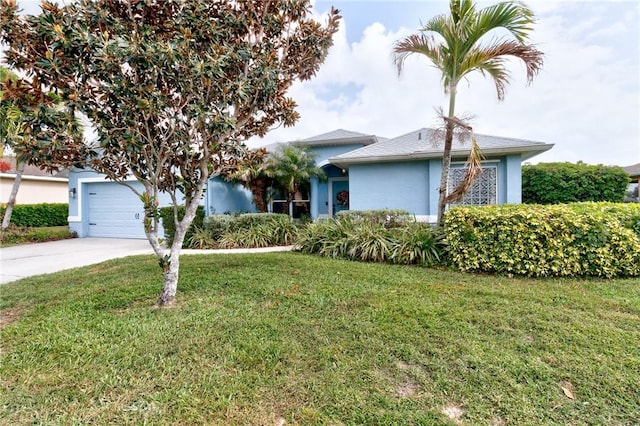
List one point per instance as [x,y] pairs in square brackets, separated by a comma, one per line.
[634,186]
[363,172]
[36,186]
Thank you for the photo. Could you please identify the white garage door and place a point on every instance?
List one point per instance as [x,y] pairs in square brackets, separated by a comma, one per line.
[115,211]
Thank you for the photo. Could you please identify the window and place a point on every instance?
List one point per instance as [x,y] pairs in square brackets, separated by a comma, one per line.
[300,205]
[484,189]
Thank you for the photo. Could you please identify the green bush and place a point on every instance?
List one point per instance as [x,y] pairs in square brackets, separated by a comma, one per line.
[554,183]
[277,230]
[580,239]
[250,230]
[350,237]
[386,217]
[166,214]
[21,235]
[38,215]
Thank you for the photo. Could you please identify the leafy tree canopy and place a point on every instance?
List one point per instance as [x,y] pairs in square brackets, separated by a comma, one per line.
[172,87]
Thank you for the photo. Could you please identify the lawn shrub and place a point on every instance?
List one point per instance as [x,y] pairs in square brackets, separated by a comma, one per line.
[166,214]
[553,183]
[579,239]
[250,230]
[38,215]
[279,230]
[350,237]
[386,217]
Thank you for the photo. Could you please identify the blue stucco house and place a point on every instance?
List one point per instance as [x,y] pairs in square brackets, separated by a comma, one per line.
[398,173]
[363,172]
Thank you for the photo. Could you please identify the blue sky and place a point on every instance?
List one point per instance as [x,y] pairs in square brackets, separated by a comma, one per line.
[586,100]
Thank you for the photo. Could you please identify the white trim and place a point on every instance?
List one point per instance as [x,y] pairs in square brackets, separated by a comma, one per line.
[36,178]
[427,218]
[330,195]
[481,162]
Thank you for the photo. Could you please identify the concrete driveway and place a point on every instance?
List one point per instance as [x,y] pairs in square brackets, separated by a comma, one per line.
[27,260]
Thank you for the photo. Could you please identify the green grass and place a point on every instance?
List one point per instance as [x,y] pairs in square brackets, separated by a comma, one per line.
[22,235]
[261,339]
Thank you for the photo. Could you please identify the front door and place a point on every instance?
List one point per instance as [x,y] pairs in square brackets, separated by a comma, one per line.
[339,195]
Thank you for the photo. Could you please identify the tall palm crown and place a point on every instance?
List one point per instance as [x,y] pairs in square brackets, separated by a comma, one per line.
[457,45]
[292,166]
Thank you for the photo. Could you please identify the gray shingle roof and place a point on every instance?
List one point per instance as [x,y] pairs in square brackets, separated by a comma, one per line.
[335,134]
[335,137]
[633,170]
[422,143]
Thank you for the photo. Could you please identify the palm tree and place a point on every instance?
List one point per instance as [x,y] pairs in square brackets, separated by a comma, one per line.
[250,172]
[456,45]
[292,166]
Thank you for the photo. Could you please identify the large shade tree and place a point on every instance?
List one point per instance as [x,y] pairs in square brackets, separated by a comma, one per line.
[33,123]
[469,40]
[172,87]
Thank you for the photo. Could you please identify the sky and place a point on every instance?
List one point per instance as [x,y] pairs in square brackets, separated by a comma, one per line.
[586,99]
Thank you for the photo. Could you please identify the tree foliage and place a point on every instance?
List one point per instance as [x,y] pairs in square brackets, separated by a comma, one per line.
[33,124]
[171,87]
[291,166]
[556,183]
[251,172]
[459,44]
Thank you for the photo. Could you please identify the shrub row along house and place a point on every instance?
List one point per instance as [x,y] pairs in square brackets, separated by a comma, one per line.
[364,172]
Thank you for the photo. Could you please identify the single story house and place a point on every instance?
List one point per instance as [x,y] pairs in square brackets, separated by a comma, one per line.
[363,172]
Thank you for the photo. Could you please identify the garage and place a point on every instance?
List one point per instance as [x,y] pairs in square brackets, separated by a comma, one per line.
[114,211]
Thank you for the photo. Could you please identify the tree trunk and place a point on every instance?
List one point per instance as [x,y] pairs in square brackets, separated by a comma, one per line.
[170,262]
[446,157]
[170,278]
[257,189]
[14,193]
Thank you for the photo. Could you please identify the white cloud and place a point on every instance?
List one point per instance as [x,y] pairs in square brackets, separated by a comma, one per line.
[586,99]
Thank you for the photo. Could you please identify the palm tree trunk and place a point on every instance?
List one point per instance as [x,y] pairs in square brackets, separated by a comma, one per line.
[14,193]
[257,189]
[446,157]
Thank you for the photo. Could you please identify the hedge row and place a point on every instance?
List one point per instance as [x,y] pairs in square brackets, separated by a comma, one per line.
[38,215]
[166,214]
[580,239]
[553,183]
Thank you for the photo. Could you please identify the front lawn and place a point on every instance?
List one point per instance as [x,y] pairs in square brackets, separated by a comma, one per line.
[286,338]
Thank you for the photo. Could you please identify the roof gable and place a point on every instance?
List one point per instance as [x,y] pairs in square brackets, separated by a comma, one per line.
[333,138]
[335,134]
[633,170]
[423,143]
